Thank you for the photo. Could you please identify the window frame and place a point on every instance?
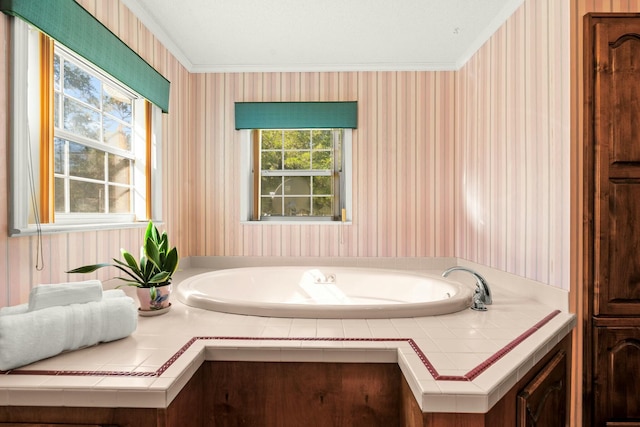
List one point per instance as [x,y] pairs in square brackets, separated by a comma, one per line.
[28,155]
[250,183]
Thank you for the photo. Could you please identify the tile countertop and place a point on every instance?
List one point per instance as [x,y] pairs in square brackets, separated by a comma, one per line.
[460,362]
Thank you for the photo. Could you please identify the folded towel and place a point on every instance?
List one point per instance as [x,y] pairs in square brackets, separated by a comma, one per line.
[44,296]
[14,309]
[26,337]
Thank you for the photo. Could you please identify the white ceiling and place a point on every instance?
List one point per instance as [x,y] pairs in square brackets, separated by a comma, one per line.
[322,35]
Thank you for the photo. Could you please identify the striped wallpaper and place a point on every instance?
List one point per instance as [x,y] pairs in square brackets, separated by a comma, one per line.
[476,163]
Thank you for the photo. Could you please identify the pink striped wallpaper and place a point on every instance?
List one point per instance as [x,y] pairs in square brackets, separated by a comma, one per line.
[512,156]
[403,165]
[472,163]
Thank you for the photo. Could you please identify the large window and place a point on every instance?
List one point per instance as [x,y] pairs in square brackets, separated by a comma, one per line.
[83,144]
[93,144]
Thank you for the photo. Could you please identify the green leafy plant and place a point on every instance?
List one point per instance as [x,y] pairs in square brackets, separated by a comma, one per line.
[155,267]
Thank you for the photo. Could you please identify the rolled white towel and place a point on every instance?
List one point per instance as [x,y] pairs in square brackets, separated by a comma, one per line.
[44,296]
[30,336]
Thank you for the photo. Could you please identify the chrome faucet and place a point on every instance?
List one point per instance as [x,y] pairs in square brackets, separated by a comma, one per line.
[482,295]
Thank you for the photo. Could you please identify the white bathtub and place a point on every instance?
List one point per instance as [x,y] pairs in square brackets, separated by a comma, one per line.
[323,292]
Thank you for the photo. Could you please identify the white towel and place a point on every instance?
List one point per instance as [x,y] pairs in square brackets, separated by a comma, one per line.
[14,309]
[34,335]
[44,296]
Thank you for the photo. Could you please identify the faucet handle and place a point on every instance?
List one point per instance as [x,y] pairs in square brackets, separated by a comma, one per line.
[477,302]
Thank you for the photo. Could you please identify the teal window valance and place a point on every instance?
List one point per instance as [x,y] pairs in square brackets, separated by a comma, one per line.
[296,115]
[71,25]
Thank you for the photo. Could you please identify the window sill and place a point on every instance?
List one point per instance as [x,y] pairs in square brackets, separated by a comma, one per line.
[69,228]
[284,222]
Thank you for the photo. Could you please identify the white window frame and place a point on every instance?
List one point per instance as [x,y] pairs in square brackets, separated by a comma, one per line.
[25,151]
[247,191]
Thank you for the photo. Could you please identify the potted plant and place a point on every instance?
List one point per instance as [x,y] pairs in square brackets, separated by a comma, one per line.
[151,274]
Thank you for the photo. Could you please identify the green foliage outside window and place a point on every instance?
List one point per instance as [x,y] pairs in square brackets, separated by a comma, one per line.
[298,172]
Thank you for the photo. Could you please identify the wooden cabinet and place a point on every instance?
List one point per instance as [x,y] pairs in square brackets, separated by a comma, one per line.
[543,402]
[185,410]
[617,389]
[612,219]
[540,398]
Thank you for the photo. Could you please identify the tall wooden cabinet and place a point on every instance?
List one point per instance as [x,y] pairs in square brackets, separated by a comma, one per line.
[612,220]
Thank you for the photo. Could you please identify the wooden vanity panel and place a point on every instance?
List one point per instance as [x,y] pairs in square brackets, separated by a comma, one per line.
[273,394]
[504,412]
[542,401]
[185,410]
[28,416]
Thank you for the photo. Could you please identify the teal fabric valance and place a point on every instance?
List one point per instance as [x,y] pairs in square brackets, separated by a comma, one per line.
[71,25]
[296,115]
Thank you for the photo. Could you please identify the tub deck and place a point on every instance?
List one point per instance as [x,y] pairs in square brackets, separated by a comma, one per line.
[461,362]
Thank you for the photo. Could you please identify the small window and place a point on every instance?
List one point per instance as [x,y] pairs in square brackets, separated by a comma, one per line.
[300,175]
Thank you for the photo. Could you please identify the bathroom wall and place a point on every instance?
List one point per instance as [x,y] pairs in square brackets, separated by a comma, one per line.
[403,170]
[512,152]
[470,163]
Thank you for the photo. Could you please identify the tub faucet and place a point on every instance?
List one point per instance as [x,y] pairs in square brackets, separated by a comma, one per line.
[482,295]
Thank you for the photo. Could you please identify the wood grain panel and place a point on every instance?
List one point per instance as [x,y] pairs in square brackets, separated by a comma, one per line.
[296,394]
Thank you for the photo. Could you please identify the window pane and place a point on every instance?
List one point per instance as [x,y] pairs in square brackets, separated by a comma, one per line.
[119,169]
[307,184]
[297,140]
[323,185]
[116,134]
[322,160]
[117,104]
[297,160]
[322,206]
[322,139]
[297,185]
[271,206]
[271,185]
[119,199]
[56,109]
[271,139]
[297,206]
[81,85]
[271,160]
[56,72]
[87,197]
[81,119]
[85,162]
[58,155]
[60,195]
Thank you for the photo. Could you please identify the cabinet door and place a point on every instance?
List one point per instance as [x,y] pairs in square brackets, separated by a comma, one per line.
[617,364]
[543,402]
[616,136]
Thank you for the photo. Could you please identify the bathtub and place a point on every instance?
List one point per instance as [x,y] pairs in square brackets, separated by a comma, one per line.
[323,292]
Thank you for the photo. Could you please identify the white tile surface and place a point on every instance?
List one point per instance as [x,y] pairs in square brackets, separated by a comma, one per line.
[454,344]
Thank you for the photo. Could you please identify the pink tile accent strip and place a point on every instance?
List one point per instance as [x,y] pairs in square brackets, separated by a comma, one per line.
[469,376]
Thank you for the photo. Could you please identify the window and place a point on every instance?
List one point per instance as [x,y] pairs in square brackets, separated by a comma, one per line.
[84,144]
[93,140]
[296,160]
[298,175]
